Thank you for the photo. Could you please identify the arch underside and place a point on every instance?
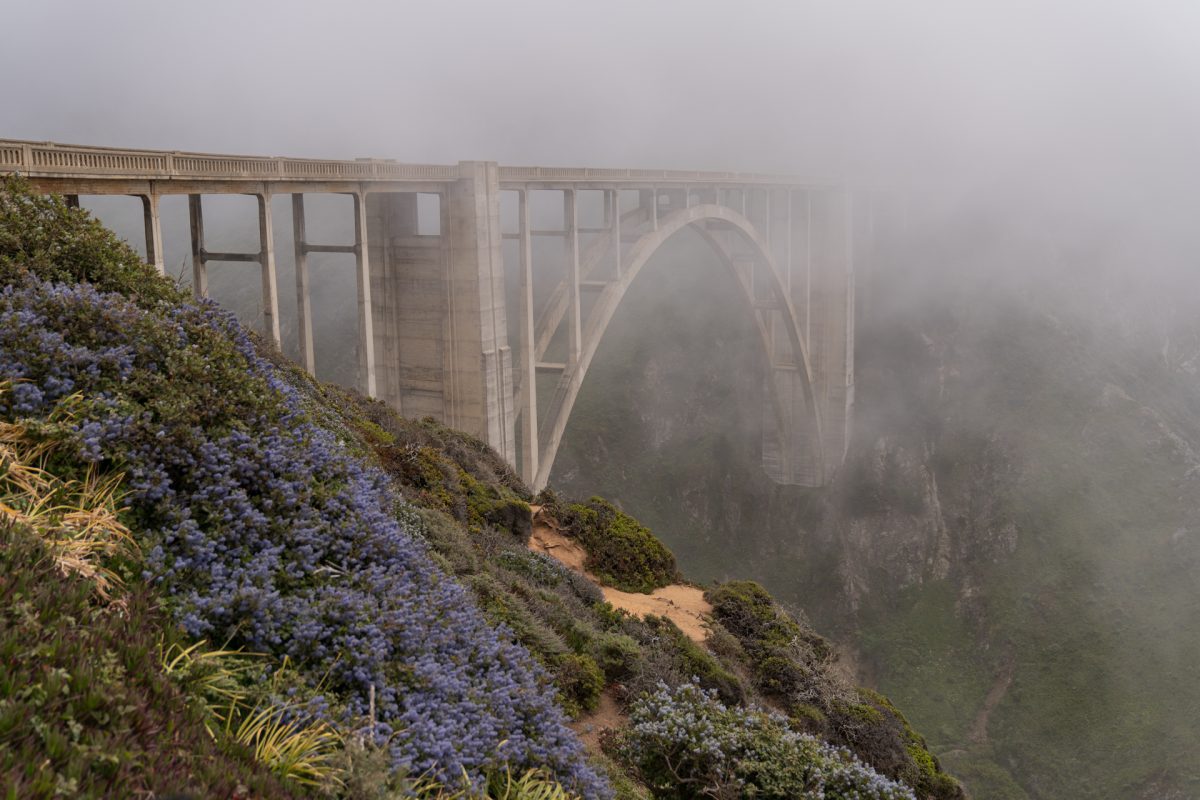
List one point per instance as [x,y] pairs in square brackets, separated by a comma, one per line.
[792,428]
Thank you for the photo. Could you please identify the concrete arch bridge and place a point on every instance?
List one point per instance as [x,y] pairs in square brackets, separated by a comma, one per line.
[469,313]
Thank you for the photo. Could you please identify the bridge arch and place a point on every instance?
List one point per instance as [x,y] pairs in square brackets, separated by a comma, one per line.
[721,227]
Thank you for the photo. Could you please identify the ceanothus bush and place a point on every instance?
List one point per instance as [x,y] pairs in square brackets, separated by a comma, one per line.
[265,532]
[687,744]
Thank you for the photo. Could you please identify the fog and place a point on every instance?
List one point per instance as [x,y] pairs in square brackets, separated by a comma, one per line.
[970,94]
[1047,146]
[1069,113]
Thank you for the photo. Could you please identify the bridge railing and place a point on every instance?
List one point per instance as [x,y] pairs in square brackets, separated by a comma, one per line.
[600,174]
[49,159]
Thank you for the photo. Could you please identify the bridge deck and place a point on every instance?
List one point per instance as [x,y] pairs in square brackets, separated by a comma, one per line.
[103,170]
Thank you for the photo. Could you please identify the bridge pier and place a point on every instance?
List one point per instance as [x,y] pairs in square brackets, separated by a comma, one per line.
[153,224]
[362,274]
[527,400]
[439,307]
[480,396]
[304,331]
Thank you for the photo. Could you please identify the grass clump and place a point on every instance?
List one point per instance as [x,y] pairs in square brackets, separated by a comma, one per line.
[75,517]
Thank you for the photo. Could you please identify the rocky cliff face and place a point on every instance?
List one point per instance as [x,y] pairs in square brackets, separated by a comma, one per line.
[1008,550]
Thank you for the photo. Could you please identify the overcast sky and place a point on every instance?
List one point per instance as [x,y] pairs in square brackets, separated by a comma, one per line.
[869,91]
[1082,117]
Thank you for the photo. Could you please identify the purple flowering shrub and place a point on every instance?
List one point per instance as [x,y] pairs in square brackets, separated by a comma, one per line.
[264,531]
[686,744]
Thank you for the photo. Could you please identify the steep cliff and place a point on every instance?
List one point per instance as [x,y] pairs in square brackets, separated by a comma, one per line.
[1009,548]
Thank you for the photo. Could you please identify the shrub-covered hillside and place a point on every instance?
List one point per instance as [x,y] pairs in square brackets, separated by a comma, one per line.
[225,579]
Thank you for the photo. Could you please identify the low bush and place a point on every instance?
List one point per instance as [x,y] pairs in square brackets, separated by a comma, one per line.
[617,654]
[687,744]
[621,552]
[788,658]
[876,730]
[579,682]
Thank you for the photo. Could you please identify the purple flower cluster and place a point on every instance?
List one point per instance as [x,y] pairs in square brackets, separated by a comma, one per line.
[264,531]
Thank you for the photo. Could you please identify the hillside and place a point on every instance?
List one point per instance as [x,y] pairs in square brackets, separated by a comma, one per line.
[1009,551]
[224,579]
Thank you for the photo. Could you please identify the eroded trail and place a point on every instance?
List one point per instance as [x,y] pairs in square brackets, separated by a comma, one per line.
[979,728]
[682,604]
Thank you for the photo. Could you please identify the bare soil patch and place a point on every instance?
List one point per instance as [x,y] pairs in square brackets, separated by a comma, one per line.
[682,604]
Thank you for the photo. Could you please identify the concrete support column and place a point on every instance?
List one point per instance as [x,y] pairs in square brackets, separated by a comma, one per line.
[266,260]
[199,268]
[789,259]
[366,334]
[303,297]
[479,386]
[528,398]
[153,224]
[615,244]
[831,318]
[574,321]
[648,200]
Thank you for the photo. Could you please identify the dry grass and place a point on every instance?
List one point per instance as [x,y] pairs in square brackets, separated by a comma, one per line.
[79,519]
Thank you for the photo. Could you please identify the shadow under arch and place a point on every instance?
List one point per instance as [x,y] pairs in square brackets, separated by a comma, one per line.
[714,223]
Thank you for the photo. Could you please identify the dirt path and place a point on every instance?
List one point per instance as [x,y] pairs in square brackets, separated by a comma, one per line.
[684,605]
[607,716]
[979,728]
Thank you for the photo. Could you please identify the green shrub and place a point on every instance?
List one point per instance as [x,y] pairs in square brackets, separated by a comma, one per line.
[687,745]
[579,681]
[879,733]
[790,664]
[435,480]
[787,658]
[617,654]
[449,540]
[724,645]
[621,552]
[539,568]
[40,236]
[808,717]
